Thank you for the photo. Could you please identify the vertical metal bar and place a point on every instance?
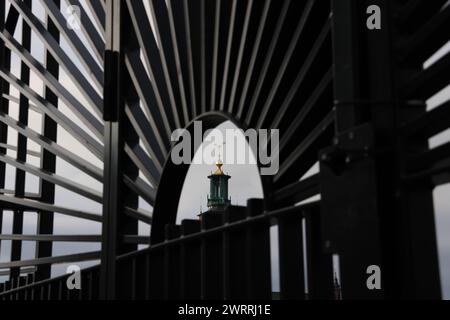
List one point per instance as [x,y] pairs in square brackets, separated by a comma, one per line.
[16,247]
[26,294]
[350,208]
[156,275]
[60,290]
[84,292]
[5,62]
[117,128]
[67,293]
[48,161]
[8,285]
[29,280]
[133,278]
[41,289]
[190,262]
[259,283]
[95,284]
[140,277]
[172,264]
[80,292]
[112,178]
[88,291]
[21,293]
[13,286]
[320,264]
[33,293]
[211,258]
[50,291]
[290,243]
[147,276]
[349,211]
[395,225]
[346,52]
[410,260]
[234,275]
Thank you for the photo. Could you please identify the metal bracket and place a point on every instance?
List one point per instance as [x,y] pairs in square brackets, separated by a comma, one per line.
[112,94]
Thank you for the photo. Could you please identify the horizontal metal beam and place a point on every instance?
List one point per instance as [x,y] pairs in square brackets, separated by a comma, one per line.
[32,205]
[268,218]
[320,90]
[142,127]
[35,154]
[53,147]
[139,214]
[276,82]
[17,101]
[60,56]
[79,134]
[28,195]
[438,175]
[155,111]
[142,188]
[51,238]
[305,145]
[75,43]
[50,81]
[81,257]
[429,81]
[265,68]
[298,191]
[428,124]
[136,239]
[434,164]
[80,189]
[415,13]
[89,30]
[151,57]
[428,39]
[6,273]
[253,59]
[158,13]
[144,163]
[97,9]
[312,58]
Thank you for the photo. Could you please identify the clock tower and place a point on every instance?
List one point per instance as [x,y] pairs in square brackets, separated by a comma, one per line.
[218,199]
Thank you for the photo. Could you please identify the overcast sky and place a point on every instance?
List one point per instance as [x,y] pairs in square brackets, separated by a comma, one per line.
[244,184]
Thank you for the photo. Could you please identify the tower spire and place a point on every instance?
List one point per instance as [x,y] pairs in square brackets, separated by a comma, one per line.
[218,197]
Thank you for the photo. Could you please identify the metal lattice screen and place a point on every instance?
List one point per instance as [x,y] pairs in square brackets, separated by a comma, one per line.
[88,111]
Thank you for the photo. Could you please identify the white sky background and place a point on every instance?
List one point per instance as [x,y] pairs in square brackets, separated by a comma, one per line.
[244,184]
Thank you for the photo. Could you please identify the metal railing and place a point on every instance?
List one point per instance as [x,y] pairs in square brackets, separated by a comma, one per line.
[351,98]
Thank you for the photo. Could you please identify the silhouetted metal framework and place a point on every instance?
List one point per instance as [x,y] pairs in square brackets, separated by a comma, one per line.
[350,98]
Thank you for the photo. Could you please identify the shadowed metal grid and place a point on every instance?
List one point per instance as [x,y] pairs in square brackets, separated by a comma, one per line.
[135,71]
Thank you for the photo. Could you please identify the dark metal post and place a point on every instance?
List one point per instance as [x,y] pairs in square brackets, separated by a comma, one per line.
[112,179]
[48,161]
[370,217]
[211,258]
[258,254]
[291,258]
[349,207]
[409,246]
[115,194]
[16,248]
[5,61]
[190,278]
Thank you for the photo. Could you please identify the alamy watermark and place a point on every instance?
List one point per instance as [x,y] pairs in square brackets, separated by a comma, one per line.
[263,144]
[73,17]
[74,280]
[374,19]
[374,280]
